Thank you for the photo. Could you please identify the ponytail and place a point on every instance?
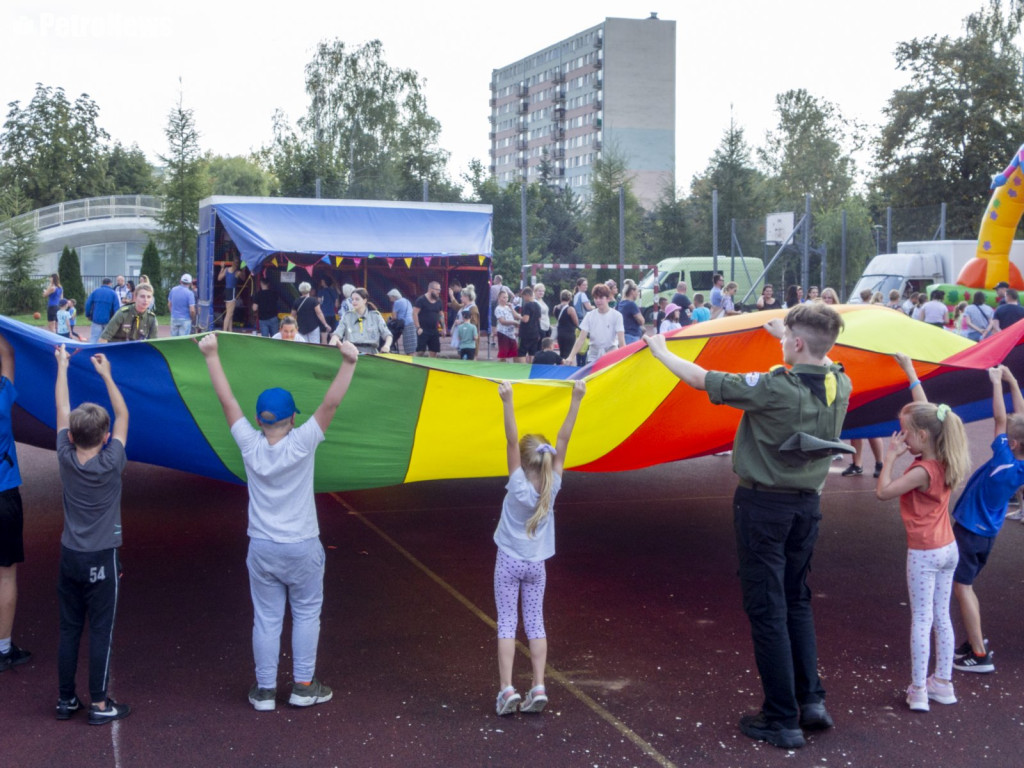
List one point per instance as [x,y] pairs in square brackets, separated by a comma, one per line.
[537,454]
[948,436]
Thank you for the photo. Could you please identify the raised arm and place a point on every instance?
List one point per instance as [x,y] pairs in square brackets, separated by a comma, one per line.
[995,375]
[6,358]
[511,430]
[232,410]
[119,429]
[916,390]
[61,396]
[690,373]
[579,388]
[1015,395]
[336,392]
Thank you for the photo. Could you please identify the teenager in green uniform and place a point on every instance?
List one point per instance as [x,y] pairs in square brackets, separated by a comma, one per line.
[792,417]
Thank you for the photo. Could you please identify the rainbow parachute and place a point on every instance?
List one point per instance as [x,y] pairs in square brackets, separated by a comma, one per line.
[405,420]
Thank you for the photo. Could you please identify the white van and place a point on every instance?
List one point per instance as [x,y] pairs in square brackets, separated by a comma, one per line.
[696,272]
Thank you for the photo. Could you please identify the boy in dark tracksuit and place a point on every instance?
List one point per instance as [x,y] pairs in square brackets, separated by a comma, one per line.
[90,472]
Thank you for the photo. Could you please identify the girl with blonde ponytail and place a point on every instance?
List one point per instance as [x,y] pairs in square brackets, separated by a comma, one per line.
[526,538]
[934,435]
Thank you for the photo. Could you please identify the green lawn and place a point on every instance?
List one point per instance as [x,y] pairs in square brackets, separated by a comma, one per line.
[80,321]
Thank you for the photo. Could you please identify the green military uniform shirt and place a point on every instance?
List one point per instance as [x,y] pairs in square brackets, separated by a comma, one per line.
[128,325]
[777,404]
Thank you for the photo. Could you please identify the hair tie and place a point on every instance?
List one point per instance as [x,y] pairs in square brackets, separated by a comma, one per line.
[547,448]
[941,411]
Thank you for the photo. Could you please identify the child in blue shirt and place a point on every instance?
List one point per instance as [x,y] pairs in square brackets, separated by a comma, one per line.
[980,512]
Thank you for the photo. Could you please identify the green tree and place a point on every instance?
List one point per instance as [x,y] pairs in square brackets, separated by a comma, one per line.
[238,176]
[958,121]
[185,183]
[18,243]
[53,149]
[809,152]
[601,233]
[152,268]
[70,270]
[366,133]
[740,193]
[670,226]
[129,172]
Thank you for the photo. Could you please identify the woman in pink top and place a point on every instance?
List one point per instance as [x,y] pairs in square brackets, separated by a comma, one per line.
[935,436]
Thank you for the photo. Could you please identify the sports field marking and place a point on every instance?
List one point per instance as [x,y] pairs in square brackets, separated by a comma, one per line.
[550,671]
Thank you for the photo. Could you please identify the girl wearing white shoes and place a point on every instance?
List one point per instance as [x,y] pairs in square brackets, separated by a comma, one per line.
[526,538]
[935,436]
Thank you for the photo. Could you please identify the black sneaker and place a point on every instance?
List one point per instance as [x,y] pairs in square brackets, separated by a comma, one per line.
[965,649]
[853,469]
[14,657]
[972,663]
[757,727]
[814,717]
[67,707]
[878,468]
[113,711]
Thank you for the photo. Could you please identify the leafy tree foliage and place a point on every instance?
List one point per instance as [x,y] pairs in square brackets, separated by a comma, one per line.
[809,152]
[18,243]
[186,183]
[366,134]
[601,242]
[958,121]
[129,172]
[153,269]
[52,149]
[238,176]
[669,227]
[740,193]
[70,270]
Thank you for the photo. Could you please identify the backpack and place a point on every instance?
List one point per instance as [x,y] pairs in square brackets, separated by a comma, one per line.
[396,325]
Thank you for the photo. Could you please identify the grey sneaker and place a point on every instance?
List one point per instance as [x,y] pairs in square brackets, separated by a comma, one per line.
[112,711]
[262,699]
[306,695]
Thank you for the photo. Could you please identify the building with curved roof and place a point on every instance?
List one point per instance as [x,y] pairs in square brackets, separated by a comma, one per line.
[109,233]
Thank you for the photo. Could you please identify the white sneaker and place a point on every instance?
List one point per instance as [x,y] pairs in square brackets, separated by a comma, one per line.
[917,699]
[940,692]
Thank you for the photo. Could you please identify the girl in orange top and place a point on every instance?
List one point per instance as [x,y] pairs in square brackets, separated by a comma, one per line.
[935,435]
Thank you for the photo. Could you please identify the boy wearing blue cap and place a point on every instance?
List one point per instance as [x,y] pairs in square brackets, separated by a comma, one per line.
[286,559]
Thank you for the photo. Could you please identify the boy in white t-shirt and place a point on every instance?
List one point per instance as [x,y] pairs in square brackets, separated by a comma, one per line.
[286,559]
[603,327]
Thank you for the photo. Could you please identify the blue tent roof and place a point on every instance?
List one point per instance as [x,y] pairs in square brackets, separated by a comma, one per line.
[260,227]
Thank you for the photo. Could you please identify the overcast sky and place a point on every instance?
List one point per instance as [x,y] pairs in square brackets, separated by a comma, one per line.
[239,62]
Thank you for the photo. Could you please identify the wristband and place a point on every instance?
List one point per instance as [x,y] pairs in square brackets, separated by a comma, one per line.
[914,383]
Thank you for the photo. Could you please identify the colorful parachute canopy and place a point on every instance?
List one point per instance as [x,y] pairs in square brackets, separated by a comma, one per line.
[406,420]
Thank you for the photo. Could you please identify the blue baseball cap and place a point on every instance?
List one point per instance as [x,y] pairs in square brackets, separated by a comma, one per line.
[275,404]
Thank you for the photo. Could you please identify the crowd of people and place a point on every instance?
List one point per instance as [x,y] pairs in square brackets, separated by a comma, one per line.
[792,418]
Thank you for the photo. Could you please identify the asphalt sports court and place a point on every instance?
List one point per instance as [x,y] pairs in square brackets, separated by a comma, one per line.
[651,661]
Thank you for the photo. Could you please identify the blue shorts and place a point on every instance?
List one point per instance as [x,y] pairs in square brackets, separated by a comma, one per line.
[974,552]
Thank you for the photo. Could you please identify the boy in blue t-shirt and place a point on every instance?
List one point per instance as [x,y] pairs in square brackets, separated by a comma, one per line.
[979,514]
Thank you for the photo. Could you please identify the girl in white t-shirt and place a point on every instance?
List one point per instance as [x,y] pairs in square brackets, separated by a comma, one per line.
[526,538]
[671,321]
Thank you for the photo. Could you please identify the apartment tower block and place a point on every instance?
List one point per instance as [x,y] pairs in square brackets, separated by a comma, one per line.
[608,88]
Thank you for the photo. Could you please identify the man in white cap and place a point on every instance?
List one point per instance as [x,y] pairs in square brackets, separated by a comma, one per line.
[182,305]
